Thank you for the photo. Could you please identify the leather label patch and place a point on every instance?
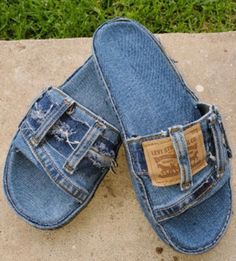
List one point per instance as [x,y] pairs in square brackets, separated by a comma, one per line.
[162,163]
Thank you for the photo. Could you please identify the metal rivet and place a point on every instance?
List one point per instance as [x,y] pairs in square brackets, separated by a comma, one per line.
[101,125]
[220,173]
[67,102]
[70,110]
[212,119]
[186,185]
[174,129]
[69,168]
[33,141]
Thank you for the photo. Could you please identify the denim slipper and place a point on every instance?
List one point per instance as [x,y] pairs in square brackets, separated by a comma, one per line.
[63,148]
[176,147]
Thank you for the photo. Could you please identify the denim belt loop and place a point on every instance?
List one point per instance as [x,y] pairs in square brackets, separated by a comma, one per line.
[216,129]
[229,151]
[50,120]
[180,146]
[85,144]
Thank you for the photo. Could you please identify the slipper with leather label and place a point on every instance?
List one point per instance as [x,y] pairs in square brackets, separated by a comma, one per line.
[176,147]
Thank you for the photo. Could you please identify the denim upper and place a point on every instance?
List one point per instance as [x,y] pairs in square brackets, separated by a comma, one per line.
[167,202]
[73,145]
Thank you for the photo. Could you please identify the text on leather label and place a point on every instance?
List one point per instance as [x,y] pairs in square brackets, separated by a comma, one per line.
[162,163]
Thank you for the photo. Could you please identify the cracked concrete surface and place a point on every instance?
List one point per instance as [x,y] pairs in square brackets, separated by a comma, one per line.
[113,226]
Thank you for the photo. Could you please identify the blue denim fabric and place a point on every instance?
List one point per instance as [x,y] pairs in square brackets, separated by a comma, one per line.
[152,101]
[63,148]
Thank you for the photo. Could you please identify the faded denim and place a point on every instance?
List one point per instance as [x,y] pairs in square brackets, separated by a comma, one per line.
[62,150]
[152,101]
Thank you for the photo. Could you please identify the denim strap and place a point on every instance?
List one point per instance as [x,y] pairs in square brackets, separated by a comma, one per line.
[181,150]
[216,129]
[50,120]
[78,154]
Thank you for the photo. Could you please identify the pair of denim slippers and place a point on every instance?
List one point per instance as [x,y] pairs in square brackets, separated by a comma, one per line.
[128,91]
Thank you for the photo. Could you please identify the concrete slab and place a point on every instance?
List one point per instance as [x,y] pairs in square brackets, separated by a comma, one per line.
[113,226]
